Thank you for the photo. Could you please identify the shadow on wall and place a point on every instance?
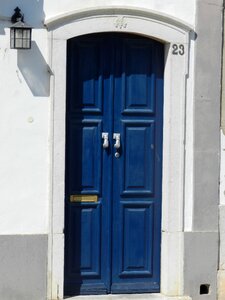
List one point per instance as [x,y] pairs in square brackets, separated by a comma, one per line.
[32,10]
[35,70]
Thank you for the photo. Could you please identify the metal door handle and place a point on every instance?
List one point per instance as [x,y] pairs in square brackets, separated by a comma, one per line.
[116,136]
[105,137]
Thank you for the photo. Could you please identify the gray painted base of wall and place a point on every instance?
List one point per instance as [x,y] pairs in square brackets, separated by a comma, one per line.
[200,264]
[23,267]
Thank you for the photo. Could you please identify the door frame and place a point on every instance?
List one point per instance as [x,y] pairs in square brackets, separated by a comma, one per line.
[177,125]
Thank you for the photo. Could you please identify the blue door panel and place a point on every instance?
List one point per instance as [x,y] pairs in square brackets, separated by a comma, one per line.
[138,164]
[114,85]
[86,91]
[136,241]
[85,156]
[138,78]
[85,245]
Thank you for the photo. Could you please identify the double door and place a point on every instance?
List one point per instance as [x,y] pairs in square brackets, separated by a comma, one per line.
[113,164]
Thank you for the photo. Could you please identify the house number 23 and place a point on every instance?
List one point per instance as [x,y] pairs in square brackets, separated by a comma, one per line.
[178,49]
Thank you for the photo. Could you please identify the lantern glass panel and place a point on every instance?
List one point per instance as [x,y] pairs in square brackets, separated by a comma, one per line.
[26,33]
[12,38]
[12,43]
[12,33]
[18,43]
[26,43]
[19,33]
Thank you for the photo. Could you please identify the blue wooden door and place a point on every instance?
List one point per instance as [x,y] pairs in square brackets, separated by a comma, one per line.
[113,193]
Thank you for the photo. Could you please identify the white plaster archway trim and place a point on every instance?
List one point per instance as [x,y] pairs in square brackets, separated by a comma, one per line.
[59,20]
[169,31]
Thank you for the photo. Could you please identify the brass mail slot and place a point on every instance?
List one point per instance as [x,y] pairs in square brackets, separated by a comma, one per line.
[83,198]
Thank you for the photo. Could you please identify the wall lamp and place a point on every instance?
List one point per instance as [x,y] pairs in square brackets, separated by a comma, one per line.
[20,32]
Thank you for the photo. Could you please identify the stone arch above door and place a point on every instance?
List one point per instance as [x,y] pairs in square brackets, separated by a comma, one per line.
[170,32]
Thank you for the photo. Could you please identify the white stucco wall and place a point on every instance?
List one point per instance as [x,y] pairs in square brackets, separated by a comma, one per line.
[25,131]
[182,9]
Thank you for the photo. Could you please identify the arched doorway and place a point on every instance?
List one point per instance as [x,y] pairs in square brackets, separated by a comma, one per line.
[113,164]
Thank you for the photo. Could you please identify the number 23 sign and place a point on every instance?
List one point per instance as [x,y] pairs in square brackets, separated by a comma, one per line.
[178,49]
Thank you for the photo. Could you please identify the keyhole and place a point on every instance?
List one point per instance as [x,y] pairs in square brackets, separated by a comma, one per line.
[117,155]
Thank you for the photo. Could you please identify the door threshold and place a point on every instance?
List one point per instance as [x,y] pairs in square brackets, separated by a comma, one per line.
[129,297]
